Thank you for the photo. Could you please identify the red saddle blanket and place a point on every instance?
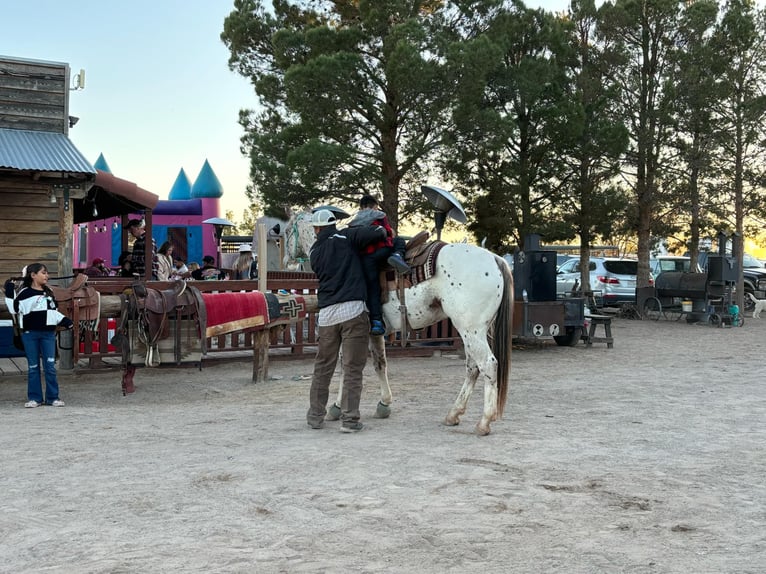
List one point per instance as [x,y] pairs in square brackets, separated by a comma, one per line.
[227,312]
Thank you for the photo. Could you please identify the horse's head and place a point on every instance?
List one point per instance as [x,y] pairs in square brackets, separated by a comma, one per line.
[299,237]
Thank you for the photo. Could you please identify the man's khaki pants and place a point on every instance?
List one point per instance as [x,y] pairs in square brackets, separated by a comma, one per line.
[352,336]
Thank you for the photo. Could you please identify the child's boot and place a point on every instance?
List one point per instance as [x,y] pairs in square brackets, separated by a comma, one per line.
[397,262]
[377,327]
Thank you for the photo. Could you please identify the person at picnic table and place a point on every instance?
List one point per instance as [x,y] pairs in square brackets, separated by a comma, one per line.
[97,269]
[38,317]
[126,264]
[245,267]
[180,270]
[136,228]
[343,320]
[208,271]
[389,250]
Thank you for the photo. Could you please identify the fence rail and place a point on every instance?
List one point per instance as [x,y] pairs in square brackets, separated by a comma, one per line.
[294,341]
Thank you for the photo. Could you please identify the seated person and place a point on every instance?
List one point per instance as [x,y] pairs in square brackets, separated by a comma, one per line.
[126,265]
[180,270]
[208,271]
[376,255]
[97,269]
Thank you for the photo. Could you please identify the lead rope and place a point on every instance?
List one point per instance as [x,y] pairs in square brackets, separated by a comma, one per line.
[402,310]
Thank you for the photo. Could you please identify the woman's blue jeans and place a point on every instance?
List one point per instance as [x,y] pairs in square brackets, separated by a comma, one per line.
[41,344]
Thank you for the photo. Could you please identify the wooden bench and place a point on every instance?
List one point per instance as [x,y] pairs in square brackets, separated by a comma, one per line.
[595,321]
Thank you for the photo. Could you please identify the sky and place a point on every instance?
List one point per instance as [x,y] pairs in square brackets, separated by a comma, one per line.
[158,95]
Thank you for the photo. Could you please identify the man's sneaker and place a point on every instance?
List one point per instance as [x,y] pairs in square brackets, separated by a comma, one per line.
[31,405]
[377,327]
[317,426]
[397,262]
[352,427]
[58,403]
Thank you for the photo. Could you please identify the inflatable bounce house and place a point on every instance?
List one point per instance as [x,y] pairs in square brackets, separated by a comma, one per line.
[177,219]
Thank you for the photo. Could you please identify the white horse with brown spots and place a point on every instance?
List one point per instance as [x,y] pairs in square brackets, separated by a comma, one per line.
[474,289]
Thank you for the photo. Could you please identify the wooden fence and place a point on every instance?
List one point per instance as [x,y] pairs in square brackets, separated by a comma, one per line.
[294,341]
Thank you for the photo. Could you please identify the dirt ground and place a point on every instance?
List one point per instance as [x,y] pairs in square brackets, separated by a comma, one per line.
[646,458]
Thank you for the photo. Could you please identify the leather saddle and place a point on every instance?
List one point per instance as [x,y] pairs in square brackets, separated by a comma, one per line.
[82,304]
[420,255]
[153,309]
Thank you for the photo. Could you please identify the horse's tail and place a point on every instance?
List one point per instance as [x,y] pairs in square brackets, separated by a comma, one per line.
[502,336]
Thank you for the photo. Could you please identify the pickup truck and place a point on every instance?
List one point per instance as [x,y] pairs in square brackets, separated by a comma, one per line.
[753,272]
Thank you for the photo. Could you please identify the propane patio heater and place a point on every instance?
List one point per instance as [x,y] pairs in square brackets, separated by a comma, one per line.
[218,224]
[445,205]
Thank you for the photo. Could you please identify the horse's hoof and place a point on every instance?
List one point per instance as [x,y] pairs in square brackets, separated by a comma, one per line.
[451,421]
[333,414]
[482,430]
[382,411]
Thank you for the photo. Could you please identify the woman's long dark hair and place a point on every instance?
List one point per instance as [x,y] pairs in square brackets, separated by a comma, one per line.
[35,268]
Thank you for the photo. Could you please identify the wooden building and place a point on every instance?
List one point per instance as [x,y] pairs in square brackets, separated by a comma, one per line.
[46,184]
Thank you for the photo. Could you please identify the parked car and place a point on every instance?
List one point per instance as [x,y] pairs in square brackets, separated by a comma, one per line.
[670,263]
[612,278]
[562,258]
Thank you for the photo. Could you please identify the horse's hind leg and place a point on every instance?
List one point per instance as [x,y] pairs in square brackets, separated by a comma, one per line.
[479,361]
[471,375]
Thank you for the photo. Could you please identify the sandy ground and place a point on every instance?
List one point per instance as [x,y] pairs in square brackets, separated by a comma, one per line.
[646,458]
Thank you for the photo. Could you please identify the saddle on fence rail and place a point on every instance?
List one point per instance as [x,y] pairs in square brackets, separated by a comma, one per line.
[154,311]
[82,304]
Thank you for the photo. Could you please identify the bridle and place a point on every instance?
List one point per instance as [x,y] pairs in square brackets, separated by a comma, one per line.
[294,240]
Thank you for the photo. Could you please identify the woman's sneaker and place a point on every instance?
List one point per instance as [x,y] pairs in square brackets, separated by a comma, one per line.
[58,403]
[377,327]
[31,405]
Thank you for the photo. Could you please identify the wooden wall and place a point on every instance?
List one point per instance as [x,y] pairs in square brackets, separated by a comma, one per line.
[32,229]
[34,95]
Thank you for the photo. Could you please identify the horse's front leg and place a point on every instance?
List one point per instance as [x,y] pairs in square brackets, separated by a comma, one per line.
[333,413]
[379,362]
[377,348]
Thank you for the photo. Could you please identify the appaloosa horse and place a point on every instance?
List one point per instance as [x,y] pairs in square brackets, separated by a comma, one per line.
[467,284]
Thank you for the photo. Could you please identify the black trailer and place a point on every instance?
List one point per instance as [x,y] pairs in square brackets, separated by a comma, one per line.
[537,313]
[701,297]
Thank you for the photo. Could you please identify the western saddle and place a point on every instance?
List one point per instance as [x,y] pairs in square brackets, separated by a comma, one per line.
[82,304]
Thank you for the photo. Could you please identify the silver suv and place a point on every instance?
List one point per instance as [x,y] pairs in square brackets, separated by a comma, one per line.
[612,280]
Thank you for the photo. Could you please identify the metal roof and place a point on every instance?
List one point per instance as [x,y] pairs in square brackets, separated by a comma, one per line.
[40,151]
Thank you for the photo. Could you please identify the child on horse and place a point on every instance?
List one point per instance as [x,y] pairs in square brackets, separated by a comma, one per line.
[375,256]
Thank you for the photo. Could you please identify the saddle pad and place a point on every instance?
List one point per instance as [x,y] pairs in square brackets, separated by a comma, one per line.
[227,312]
[285,308]
[425,265]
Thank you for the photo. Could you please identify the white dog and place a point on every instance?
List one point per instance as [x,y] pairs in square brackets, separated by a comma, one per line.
[760,305]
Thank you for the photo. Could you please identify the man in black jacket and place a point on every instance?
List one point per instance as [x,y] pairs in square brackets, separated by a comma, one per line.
[343,318]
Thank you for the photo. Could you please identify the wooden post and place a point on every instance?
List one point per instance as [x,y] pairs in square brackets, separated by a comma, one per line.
[148,246]
[261,342]
[261,355]
[66,339]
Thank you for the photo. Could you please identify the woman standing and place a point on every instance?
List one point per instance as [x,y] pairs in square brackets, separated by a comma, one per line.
[165,261]
[245,267]
[38,318]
